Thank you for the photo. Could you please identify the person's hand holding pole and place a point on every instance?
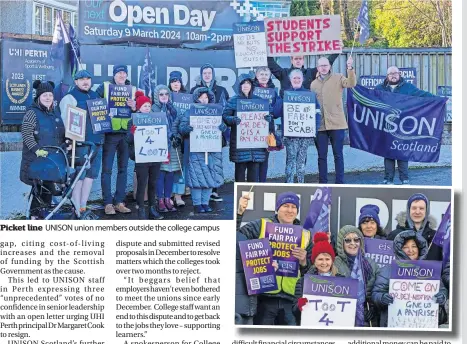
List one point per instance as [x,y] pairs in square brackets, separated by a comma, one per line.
[350,62]
[243,204]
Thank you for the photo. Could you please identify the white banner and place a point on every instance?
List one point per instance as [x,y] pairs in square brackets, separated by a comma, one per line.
[151,144]
[206,136]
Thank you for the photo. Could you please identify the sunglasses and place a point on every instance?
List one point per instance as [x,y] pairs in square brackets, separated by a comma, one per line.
[349,240]
[163,94]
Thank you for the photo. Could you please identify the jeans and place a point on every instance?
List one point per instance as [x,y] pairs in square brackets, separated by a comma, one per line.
[243,319]
[201,196]
[337,143]
[270,308]
[263,169]
[114,143]
[165,184]
[390,169]
[296,151]
[147,174]
[251,168]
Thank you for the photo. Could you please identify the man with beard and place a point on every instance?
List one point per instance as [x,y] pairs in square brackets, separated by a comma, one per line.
[397,84]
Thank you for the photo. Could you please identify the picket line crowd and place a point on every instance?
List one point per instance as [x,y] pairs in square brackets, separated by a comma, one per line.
[166,183]
[342,257]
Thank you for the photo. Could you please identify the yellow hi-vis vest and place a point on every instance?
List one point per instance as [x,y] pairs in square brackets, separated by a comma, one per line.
[118,124]
[285,284]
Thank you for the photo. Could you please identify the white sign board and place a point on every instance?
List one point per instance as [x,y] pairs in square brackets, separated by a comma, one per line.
[206,136]
[250,44]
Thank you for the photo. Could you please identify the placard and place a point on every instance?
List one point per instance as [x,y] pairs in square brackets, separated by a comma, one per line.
[182,101]
[299,114]
[205,120]
[332,301]
[409,74]
[118,95]
[75,123]
[253,130]
[151,142]
[380,251]
[283,239]
[413,284]
[371,81]
[265,93]
[250,44]
[446,91]
[257,266]
[311,35]
[100,119]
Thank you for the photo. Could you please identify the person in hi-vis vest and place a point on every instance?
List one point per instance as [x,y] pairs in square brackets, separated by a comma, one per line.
[115,142]
[275,307]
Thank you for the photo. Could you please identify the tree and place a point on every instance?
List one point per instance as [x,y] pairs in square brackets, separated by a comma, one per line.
[344,9]
[299,8]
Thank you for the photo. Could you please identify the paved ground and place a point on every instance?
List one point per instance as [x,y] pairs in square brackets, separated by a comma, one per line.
[440,176]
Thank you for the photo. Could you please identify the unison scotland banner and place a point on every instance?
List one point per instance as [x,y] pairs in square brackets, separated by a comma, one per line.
[395,126]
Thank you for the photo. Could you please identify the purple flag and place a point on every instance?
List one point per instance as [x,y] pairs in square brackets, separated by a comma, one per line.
[74,54]
[364,22]
[147,79]
[60,38]
[317,219]
[357,273]
[443,234]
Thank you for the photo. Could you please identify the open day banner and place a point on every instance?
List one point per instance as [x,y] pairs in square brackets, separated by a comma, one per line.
[413,284]
[150,137]
[332,301]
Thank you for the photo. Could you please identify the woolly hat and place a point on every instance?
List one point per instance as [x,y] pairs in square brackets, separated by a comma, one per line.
[413,198]
[174,76]
[82,74]
[141,99]
[321,245]
[287,197]
[369,211]
[43,87]
[120,68]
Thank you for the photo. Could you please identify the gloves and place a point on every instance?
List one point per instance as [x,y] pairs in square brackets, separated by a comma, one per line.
[40,153]
[440,298]
[189,128]
[176,142]
[222,127]
[133,129]
[302,301]
[369,314]
[387,299]
[237,120]
[268,118]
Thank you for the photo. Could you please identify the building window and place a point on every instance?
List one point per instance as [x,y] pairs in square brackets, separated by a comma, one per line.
[45,16]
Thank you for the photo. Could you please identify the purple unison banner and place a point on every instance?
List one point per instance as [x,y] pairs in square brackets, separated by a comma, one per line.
[416,269]
[380,251]
[257,265]
[395,126]
[283,239]
[182,101]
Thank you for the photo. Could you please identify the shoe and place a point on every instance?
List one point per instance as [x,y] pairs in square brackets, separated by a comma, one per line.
[142,214]
[199,209]
[161,206]
[179,202]
[187,191]
[120,207]
[109,209]
[215,197]
[207,208]
[405,182]
[387,182]
[169,205]
[153,214]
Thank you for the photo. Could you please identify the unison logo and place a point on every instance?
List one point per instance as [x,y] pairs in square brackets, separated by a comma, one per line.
[385,118]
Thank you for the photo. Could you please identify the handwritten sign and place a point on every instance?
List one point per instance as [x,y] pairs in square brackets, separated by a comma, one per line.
[446,91]
[205,120]
[265,93]
[371,81]
[182,101]
[151,143]
[100,119]
[299,114]
[253,130]
[283,239]
[313,35]
[413,284]
[118,95]
[380,251]
[250,44]
[332,301]
[257,265]
[76,123]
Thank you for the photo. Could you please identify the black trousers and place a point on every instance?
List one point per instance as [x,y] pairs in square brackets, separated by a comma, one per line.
[251,169]
[147,174]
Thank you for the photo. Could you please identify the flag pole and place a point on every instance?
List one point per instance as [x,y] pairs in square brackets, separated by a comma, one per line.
[354,38]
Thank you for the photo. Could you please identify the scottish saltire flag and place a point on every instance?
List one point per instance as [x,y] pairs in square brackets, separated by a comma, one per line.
[357,273]
[364,22]
[74,53]
[317,219]
[147,80]
[60,38]
[442,237]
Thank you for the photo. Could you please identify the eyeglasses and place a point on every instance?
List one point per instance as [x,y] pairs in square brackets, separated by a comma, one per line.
[163,94]
[395,73]
[322,66]
[349,240]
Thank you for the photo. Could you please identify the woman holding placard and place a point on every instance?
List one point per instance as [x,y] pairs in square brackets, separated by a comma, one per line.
[201,175]
[162,103]
[147,173]
[351,262]
[408,245]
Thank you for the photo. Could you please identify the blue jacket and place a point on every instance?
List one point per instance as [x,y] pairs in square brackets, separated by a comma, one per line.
[198,174]
[403,87]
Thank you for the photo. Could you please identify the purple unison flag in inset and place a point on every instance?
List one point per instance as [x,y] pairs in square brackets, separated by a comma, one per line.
[380,251]
[317,219]
[283,239]
[416,269]
[257,266]
[395,126]
[117,97]
[442,237]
